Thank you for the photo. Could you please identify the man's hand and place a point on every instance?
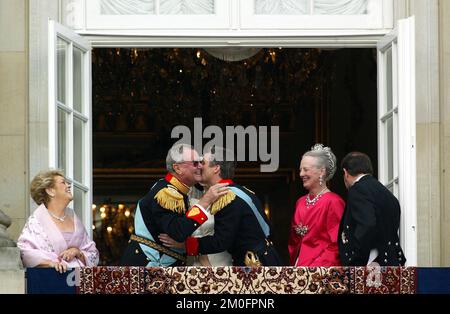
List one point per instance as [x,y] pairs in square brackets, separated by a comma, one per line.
[213,193]
[204,260]
[169,242]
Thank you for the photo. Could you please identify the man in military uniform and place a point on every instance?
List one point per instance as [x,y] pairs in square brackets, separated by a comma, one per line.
[368,233]
[241,226]
[165,209]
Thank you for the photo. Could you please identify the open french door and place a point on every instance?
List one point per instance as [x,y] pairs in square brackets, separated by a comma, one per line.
[397,127]
[69,100]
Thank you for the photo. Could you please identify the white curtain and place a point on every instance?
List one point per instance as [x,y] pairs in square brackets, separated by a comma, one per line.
[126,7]
[282,7]
[298,7]
[186,6]
[340,7]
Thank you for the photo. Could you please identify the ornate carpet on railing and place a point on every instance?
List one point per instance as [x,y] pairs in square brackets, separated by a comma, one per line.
[237,280]
[383,280]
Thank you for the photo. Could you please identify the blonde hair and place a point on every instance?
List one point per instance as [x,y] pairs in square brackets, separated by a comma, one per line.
[42,181]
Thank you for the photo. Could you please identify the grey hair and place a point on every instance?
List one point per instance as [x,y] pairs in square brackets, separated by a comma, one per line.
[225,159]
[325,159]
[175,155]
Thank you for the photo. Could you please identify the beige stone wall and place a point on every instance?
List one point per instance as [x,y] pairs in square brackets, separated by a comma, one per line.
[14,112]
[444,50]
[428,118]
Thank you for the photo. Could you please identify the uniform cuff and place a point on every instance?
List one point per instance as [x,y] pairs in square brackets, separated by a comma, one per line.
[197,213]
[191,246]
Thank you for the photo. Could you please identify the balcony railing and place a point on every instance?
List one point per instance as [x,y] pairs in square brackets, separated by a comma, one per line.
[240,280]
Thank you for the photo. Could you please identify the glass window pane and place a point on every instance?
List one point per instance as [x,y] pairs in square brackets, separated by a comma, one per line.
[282,7]
[389,82]
[62,140]
[390,148]
[186,7]
[128,7]
[78,149]
[79,197]
[78,72]
[346,7]
[61,52]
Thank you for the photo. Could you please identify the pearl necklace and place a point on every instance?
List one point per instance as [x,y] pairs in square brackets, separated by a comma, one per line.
[56,217]
[311,202]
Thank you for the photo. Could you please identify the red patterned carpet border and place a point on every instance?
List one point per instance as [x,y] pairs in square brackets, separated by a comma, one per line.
[243,280]
[111,280]
[383,280]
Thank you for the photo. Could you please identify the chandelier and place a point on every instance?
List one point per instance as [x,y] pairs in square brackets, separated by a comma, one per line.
[233,53]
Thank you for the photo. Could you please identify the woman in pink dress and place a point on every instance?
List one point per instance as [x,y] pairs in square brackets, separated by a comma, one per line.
[315,225]
[54,236]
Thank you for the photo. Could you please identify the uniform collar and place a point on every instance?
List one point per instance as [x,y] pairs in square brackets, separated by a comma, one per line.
[229,181]
[183,188]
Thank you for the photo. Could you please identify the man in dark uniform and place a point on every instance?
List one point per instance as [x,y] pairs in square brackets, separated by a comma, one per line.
[368,233]
[165,209]
[241,226]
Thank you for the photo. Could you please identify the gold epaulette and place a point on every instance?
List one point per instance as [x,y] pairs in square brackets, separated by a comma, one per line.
[169,198]
[222,201]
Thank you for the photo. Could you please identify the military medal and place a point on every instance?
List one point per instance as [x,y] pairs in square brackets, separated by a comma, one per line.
[344,238]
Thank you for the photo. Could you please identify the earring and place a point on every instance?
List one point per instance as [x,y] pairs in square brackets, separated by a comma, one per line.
[320,180]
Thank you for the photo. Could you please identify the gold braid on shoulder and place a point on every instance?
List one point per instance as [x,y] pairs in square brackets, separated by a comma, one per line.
[169,198]
[223,201]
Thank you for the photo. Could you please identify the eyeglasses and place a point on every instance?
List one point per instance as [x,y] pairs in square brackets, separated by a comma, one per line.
[195,163]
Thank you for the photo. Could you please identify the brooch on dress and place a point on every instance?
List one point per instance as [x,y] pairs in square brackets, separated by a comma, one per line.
[301,230]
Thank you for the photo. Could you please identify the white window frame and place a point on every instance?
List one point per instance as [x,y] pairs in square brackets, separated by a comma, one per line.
[58,31]
[403,113]
[232,18]
[95,20]
[379,17]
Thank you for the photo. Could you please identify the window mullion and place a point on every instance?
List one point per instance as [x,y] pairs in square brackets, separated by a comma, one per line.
[87,133]
[63,107]
[69,130]
[387,115]
[80,116]
[80,185]
[52,97]
[157,7]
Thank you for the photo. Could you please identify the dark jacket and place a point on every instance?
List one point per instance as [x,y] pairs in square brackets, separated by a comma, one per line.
[371,221]
[157,220]
[237,230]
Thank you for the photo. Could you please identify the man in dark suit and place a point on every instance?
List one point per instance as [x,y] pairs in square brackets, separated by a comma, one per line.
[368,233]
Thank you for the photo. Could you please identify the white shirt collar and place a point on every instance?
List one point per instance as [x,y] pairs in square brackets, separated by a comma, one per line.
[359,178]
